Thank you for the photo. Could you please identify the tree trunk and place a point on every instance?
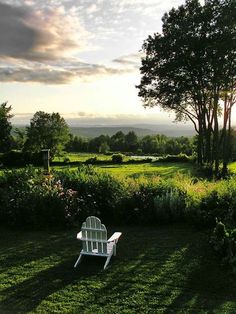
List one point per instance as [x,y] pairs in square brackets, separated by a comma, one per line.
[216,136]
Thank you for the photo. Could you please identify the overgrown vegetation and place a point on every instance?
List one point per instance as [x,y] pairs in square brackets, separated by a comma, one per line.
[29,199]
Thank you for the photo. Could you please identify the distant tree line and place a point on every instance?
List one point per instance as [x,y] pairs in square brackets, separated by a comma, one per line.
[51,131]
[130,142]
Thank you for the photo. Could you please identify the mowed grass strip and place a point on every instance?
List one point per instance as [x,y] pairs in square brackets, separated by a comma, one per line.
[165,170]
[149,169]
[166,269]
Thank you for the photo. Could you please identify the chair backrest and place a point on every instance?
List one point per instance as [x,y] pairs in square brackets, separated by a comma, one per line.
[94,235]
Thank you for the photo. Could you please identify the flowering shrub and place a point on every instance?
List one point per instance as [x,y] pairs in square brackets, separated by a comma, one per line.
[31,200]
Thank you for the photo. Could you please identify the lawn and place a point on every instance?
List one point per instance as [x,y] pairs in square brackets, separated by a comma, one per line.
[163,169]
[149,169]
[166,269]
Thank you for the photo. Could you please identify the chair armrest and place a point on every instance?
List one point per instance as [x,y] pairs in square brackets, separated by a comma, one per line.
[79,235]
[115,237]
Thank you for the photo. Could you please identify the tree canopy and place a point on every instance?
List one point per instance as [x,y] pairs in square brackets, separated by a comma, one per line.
[47,131]
[190,69]
[5,127]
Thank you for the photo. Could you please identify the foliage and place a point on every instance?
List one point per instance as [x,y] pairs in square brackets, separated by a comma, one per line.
[19,138]
[99,192]
[142,200]
[31,200]
[117,158]
[131,142]
[197,82]
[150,144]
[5,127]
[224,243]
[48,131]
[169,206]
[208,201]
[175,158]
[20,159]
[92,160]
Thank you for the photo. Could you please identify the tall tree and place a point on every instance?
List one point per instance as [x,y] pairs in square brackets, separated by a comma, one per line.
[187,68]
[118,141]
[47,131]
[5,127]
[131,141]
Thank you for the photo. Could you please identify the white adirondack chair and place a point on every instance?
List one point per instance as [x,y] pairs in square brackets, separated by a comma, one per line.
[93,235]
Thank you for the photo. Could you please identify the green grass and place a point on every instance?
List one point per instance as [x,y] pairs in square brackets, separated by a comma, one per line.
[167,269]
[81,157]
[232,166]
[149,169]
[136,170]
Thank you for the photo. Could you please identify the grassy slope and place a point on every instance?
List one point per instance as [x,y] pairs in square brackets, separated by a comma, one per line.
[166,269]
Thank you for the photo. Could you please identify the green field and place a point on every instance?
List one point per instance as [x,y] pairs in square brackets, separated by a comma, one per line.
[129,170]
[155,168]
[166,269]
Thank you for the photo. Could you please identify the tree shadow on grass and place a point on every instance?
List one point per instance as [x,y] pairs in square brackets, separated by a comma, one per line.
[86,281]
[183,279]
[28,294]
[207,288]
[162,270]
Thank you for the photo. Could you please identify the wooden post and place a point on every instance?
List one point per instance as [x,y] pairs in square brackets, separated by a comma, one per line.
[46,157]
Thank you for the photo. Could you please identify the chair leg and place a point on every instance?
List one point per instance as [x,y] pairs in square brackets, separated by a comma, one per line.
[78,260]
[107,261]
[114,249]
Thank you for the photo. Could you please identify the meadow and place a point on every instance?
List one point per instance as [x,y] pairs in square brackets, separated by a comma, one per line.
[154,168]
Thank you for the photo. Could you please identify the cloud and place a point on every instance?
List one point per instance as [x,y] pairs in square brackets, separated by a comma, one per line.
[95,118]
[92,8]
[57,74]
[41,34]
[133,59]
[41,41]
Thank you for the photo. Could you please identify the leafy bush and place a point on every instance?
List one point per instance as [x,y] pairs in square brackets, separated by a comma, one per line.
[117,158]
[207,201]
[66,160]
[20,159]
[28,198]
[100,192]
[151,201]
[91,161]
[170,205]
[175,158]
[224,243]
[31,200]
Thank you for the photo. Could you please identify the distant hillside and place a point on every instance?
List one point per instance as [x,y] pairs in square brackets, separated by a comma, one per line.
[140,129]
[96,131]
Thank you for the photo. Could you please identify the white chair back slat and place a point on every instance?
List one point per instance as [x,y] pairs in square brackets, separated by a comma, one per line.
[104,237]
[84,236]
[94,235]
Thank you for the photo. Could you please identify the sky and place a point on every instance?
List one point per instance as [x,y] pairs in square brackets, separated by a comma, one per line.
[80,58]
